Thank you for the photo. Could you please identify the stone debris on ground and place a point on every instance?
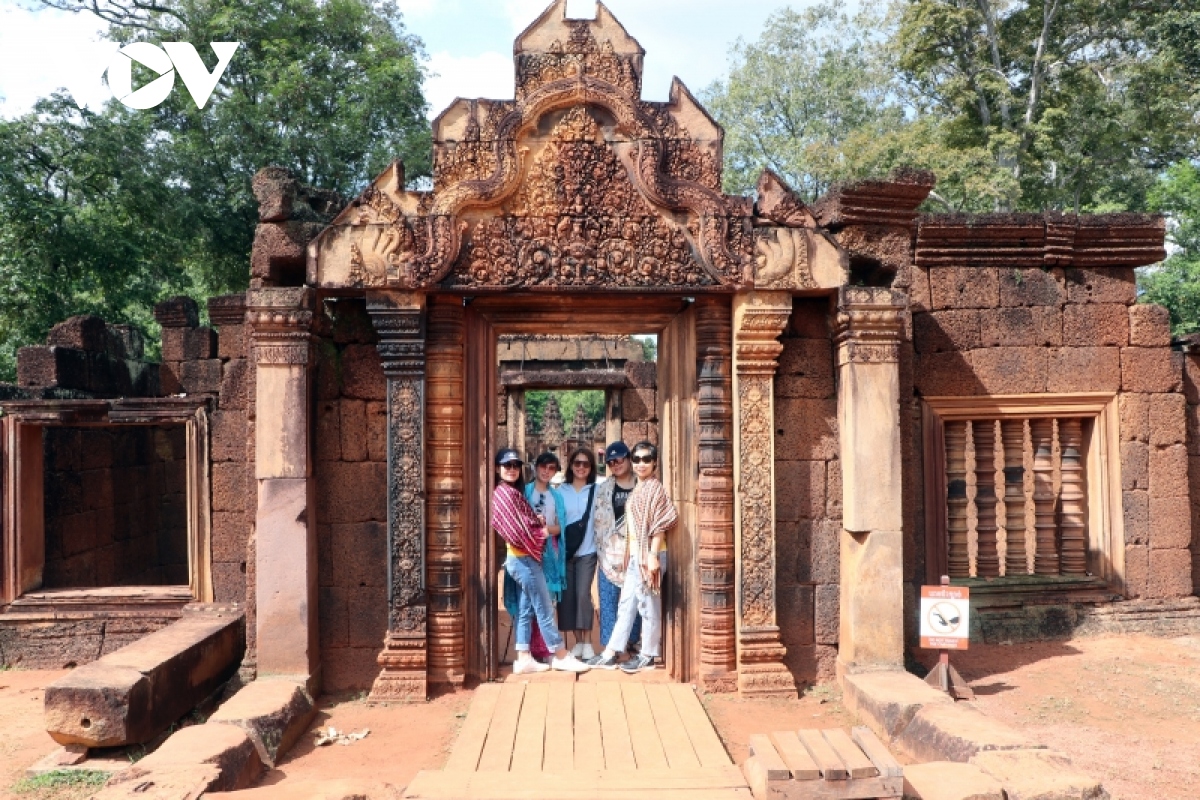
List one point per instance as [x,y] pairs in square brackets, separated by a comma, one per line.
[332,735]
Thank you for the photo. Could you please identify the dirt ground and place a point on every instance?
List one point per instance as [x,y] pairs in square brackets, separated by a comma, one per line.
[1126,710]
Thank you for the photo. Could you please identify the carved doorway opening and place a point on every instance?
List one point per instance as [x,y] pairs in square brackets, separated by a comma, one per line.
[673,319]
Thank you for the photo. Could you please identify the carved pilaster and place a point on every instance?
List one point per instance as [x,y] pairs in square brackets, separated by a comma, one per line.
[399,320]
[870,325]
[444,449]
[758,319]
[714,354]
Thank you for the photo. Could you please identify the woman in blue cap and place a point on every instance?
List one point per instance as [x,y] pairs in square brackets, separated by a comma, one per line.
[609,512]
[524,533]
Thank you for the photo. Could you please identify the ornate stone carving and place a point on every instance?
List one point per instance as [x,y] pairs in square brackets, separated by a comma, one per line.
[714,353]
[987,553]
[280,320]
[399,321]
[869,325]
[1045,561]
[1072,498]
[794,252]
[759,318]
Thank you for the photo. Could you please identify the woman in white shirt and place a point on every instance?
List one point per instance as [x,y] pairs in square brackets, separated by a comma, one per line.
[575,611]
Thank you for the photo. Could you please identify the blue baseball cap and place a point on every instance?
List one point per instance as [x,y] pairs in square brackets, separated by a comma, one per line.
[506,455]
[616,450]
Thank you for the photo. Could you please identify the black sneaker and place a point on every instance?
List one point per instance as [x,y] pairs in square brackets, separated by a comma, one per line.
[638,663]
[601,661]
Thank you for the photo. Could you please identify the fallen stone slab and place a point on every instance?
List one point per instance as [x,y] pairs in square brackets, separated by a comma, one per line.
[68,755]
[956,732]
[1039,775]
[135,693]
[225,747]
[948,780]
[344,789]
[171,783]
[887,701]
[274,713]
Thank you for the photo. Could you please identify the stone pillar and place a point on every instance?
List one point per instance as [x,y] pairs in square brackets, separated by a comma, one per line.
[285,528]
[870,324]
[714,496]
[399,320]
[758,319]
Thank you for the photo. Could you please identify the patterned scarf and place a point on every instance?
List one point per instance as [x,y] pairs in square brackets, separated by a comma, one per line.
[514,520]
[649,511]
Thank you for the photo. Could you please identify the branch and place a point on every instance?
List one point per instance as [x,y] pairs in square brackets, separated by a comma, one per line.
[128,14]
[985,8]
[1049,9]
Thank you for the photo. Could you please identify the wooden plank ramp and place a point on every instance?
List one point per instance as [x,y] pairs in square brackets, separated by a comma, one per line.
[612,740]
[822,765]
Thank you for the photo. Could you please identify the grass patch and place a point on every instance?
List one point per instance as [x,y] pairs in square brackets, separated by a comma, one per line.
[61,784]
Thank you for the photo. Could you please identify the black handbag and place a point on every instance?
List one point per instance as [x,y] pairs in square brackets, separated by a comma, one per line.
[578,529]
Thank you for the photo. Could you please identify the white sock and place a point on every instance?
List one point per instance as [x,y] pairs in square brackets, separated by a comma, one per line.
[588,652]
[578,650]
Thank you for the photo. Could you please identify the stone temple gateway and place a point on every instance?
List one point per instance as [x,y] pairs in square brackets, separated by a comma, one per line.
[852,399]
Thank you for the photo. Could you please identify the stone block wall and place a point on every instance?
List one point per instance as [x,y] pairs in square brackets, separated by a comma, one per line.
[808,494]
[1191,387]
[983,330]
[639,403]
[351,473]
[116,506]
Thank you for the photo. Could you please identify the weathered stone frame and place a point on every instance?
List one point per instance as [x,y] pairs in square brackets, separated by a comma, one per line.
[22,476]
[1105,520]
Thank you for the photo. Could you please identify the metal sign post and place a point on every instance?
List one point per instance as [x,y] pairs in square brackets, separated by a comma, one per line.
[945,626]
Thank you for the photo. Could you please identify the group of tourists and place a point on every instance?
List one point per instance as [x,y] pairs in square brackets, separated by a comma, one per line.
[556,538]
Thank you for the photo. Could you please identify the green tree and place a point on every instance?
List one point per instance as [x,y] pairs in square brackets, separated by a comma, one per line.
[1176,282]
[109,212]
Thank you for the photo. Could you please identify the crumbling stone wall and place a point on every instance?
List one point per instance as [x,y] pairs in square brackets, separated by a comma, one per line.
[116,506]
[808,494]
[994,330]
[351,471]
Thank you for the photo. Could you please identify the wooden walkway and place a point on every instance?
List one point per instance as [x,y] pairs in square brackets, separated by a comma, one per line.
[614,740]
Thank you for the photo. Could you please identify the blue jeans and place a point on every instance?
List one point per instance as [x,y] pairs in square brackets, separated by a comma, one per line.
[610,597]
[535,602]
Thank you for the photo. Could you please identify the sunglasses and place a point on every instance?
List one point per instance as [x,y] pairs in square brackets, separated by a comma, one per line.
[581,463]
[511,465]
[643,459]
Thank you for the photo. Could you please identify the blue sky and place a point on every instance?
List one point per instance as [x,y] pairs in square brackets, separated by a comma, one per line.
[469,43]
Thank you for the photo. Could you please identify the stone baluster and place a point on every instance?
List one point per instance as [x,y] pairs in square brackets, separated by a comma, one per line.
[443,507]
[870,325]
[280,321]
[987,560]
[398,318]
[1012,435]
[1073,499]
[1045,560]
[958,556]
[714,497]
[758,319]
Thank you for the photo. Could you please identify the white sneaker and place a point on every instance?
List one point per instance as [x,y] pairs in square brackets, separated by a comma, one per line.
[568,663]
[526,666]
[587,653]
[577,651]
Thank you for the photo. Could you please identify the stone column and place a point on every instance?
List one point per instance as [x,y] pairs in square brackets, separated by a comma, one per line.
[714,496]
[758,319]
[399,320]
[870,324]
[285,528]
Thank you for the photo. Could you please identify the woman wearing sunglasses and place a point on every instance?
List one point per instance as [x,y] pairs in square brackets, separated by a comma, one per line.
[575,611]
[524,532]
[649,515]
[609,522]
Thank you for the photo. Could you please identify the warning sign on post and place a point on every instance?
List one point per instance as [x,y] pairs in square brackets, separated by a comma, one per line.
[945,617]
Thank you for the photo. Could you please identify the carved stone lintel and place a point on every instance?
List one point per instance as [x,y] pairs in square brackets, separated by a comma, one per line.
[758,319]
[714,499]
[402,679]
[400,322]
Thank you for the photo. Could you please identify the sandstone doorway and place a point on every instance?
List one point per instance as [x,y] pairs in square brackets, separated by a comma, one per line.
[673,320]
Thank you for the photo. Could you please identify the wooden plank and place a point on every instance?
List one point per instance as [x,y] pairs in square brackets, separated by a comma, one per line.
[614,728]
[827,760]
[699,727]
[465,755]
[787,744]
[857,764]
[875,750]
[643,733]
[560,729]
[768,758]
[497,750]
[665,783]
[672,734]
[531,729]
[589,746]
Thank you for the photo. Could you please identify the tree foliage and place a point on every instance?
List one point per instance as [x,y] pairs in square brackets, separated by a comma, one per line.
[1176,282]
[108,212]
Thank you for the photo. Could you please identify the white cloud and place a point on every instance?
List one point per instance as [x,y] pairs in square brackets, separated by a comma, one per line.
[41,51]
[488,75]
